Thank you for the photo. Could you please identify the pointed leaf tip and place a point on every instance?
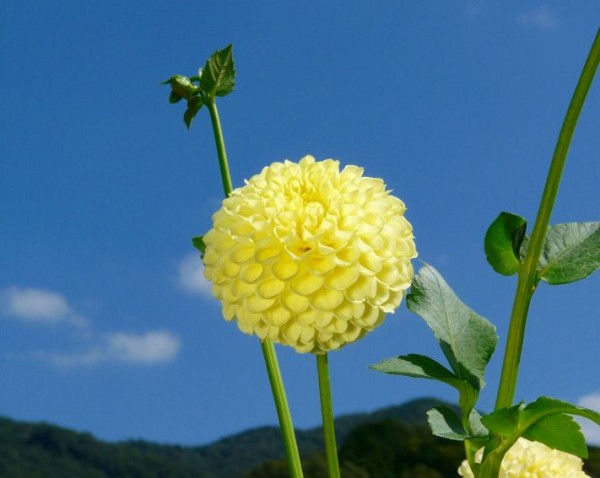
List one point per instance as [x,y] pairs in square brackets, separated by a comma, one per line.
[218,75]
[466,339]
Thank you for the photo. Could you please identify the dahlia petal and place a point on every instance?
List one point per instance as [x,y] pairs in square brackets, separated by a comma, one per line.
[266,253]
[278,315]
[341,278]
[324,319]
[228,311]
[327,299]
[284,269]
[258,304]
[251,272]
[293,302]
[292,332]
[231,269]
[306,284]
[242,253]
[363,288]
[270,288]
[307,334]
[321,265]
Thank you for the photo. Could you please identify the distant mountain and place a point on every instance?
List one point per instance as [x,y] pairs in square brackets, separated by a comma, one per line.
[370,443]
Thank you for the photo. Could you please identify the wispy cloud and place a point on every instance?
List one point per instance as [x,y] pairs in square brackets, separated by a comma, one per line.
[541,17]
[142,349]
[42,307]
[190,276]
[590,429]
[38,305]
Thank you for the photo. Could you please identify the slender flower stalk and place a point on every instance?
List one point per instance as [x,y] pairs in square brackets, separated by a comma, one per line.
[333,466]
[528,280]
[268,349]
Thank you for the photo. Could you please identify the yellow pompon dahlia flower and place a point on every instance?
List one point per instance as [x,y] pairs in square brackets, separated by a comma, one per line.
[310,256]
[531,459]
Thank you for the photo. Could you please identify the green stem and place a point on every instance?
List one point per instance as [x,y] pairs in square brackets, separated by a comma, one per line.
[333,466]
[283,412]
[528,279]
[220,142]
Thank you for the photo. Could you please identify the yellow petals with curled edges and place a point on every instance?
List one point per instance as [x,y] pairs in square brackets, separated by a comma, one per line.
[310,256]
[534,460]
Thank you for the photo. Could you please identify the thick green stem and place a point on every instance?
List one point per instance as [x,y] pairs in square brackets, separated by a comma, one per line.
[333,466]
[528,279]
[283,412]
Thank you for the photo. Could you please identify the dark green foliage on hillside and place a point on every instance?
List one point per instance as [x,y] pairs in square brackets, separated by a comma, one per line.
[392,442]
[383,449]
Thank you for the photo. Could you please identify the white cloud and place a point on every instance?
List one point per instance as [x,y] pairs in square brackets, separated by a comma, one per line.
[47,307]
[590,429]
[151,347]
[37,305]
[190,276]
[145,349]
[541,17]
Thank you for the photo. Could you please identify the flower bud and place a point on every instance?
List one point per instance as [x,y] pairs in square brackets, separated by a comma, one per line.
[182,86]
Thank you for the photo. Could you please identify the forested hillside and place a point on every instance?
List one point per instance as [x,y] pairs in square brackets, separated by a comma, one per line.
[392,442]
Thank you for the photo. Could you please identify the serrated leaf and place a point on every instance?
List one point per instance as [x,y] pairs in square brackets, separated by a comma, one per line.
[560,432]
[421,366]
[194,105]
[198,243]
[415,365]
[444,423]
[571,252]
[218,75]
[545,420]
[503,241]
[466,339]
[545,406]
[505,421]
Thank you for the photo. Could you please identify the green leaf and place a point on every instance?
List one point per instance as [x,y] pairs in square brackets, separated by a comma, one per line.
[546,420]
[444,423]
[571,252]
[198,243]
[504,421]
[560,432]
[194,105]
[476,425]
[466,339]
[503,241]
[174,97]
[218,75]
[420,366]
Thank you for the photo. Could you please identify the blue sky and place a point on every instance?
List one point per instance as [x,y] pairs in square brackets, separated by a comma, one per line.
[105,326]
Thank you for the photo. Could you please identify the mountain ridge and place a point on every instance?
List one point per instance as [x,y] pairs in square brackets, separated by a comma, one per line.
[44,450]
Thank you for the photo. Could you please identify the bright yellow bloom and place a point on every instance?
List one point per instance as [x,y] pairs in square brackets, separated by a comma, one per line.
[531,459]
[310,256]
